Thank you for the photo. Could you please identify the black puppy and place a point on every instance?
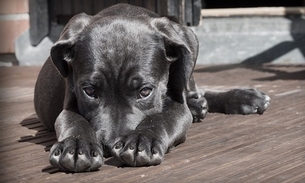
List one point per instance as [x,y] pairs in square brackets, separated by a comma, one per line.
[120,84]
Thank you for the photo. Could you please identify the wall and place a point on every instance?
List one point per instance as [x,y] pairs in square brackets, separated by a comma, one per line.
[14,20]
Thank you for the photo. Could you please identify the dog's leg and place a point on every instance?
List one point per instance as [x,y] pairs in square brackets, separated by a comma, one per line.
[153,137]
[237,101]
[77,148]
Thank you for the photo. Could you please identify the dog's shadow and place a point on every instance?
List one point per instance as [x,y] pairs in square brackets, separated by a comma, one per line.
[47,138]
[42,137]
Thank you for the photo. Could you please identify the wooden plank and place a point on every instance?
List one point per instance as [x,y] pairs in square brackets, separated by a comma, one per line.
[188,13]
[162,7]
[108,3]
[222,148]
[136,2]
[261,11]
[174,10]
[39,20]
[98,6]
[77,6]
[65,7]
[196,12]
[88,6]
[150,4]
[122,1]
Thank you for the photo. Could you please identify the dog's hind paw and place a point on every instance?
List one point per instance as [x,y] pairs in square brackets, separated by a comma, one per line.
[246,101]
[76,155]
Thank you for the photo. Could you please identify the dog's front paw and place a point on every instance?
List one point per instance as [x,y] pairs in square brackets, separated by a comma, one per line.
[76,155]
[139,149]
[197,105]
[247,101]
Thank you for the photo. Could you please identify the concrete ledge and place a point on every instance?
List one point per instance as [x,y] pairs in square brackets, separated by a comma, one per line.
[230,40]
[32,55]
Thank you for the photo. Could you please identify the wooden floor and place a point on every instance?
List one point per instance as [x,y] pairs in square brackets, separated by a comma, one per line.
[223,148]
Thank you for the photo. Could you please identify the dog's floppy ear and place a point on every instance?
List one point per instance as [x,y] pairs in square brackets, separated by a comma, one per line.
[181,49]
[63,50]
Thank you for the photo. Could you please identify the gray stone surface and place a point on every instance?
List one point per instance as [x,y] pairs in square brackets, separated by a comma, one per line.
[251,40]
[27,54]
[222,41]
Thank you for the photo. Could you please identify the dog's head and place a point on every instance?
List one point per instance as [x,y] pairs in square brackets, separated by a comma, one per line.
[121,70]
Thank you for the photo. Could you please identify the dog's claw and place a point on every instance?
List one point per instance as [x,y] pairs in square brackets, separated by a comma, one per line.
[71,152]
[118,145]
[197,105]
[139,149]
[246,101]
[63,156]
[57,152]
[94,154]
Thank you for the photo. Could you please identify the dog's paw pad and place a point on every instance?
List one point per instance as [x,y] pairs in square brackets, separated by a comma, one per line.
[139,149]
[76,155]
[197,105]
[247,101]
[267,101]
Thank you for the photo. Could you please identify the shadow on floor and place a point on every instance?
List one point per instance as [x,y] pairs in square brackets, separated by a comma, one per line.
[42,137]
[298,39]
[270,68]
[297,23]
[47,139]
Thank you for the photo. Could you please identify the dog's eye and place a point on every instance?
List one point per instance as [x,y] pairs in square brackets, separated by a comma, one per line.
[90,91]
[145,92]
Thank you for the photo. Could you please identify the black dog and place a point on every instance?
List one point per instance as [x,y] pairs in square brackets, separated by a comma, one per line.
[120,84]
